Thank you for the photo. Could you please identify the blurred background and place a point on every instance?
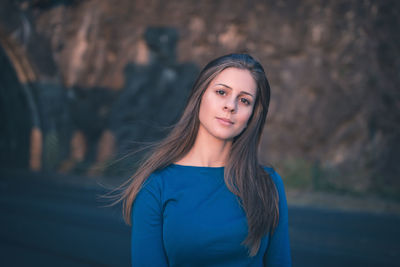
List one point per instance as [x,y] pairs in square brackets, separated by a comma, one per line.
[84,84]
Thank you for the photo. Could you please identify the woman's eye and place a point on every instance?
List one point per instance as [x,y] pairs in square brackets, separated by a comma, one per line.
[221,92]
[245,101]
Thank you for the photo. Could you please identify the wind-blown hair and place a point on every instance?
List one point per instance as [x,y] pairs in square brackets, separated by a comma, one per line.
[243,174]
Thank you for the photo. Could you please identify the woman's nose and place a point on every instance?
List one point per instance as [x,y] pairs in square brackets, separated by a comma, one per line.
[230,106]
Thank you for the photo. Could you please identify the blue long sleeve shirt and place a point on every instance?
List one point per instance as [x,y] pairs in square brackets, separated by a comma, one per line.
[186,216]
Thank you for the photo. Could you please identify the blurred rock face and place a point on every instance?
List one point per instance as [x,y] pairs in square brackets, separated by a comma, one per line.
[333,67]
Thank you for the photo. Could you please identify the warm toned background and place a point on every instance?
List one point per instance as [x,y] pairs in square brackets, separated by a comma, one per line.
[333,66]
[84,83]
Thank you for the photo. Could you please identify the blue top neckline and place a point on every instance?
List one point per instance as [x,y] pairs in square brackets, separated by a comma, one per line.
[197,167]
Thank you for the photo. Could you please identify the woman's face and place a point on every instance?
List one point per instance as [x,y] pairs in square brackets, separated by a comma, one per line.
[227,104]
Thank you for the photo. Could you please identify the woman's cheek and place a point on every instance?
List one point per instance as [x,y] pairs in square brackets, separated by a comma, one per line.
[247,115]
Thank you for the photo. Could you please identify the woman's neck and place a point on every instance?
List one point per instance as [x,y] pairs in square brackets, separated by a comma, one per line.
[207,151]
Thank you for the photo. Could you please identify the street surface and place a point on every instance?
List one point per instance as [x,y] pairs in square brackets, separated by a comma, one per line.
[48,222]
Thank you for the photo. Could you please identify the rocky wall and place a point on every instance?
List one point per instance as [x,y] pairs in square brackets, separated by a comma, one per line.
[333,66]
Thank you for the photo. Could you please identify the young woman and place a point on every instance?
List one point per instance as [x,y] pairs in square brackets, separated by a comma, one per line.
[201,198]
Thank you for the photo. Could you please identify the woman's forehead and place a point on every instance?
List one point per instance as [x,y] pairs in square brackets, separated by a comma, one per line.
[236,79]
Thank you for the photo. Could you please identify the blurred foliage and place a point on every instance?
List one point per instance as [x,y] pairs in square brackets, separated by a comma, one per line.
[297,173]
[306,175]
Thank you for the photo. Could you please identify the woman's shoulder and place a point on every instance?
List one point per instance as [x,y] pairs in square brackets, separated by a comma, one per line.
[272,172]
[276,178]
[158,177]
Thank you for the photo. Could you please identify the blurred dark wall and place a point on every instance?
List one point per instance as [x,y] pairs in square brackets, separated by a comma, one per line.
[15,118]
[333,68]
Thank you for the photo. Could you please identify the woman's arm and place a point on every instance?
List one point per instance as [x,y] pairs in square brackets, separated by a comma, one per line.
[278,252]
[146,238]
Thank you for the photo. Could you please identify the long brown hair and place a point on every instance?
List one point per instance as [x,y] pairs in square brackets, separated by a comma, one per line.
[243,174]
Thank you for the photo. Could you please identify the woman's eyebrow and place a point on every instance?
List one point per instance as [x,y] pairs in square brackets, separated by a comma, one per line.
[224,85]
[242,92]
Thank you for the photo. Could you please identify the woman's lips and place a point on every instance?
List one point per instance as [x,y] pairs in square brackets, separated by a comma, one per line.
[224,121]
